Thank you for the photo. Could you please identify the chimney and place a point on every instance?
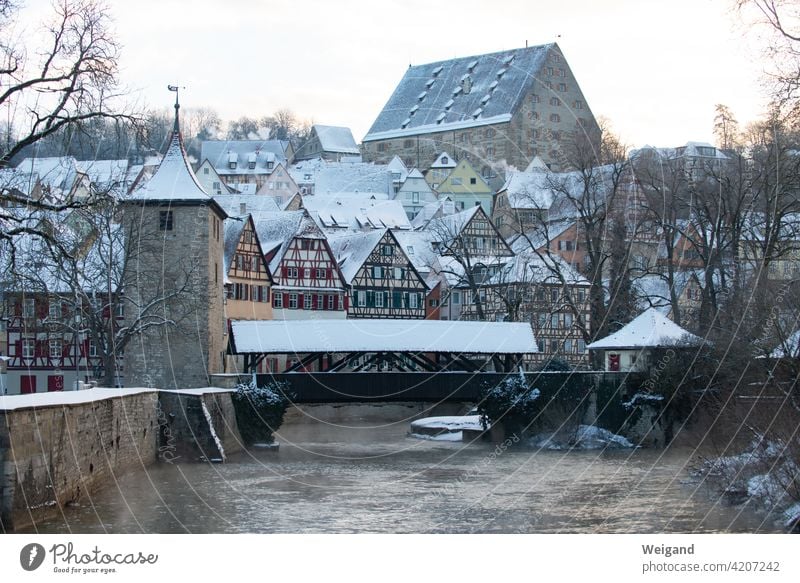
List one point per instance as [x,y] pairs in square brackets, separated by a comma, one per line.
[242,208]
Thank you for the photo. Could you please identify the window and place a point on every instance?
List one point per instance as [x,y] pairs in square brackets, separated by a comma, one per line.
[387,250]
[270,165]
[28,308]
[55,349]
[549,71]
[319,273]
[307,301]
[293,301]
[54,312]
[277,301]
[456,298]
[92,349]
[165,220]
[445,160]
[28,348]
[555,135]
[433,303]
[305,244]
[398,273]
[251,164]
[555,101]
[567,320]
[581,346]
[379,299]
[455,181]
[578,104]
[534,98]
[562,87]
[415,197]
[119,311]
[581,296]
[362,299]
[562,73]
[377,272]
[554,296]
[473,180]
[542,320]
[554,321]
[413,300]
[568,346]
[292,272]
[306,273]
[205,170]
[382,147]
[331,301]
[541,346]
[554,117]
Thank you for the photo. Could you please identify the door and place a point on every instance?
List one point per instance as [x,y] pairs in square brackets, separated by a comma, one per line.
[27,384]
[55,383]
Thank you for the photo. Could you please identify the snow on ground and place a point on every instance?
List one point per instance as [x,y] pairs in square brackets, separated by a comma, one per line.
[587,437]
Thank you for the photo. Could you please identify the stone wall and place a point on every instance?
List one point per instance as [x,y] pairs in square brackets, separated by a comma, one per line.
[51,456]
[197,426]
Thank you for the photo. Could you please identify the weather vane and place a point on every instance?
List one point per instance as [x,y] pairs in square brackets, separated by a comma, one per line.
[175,88]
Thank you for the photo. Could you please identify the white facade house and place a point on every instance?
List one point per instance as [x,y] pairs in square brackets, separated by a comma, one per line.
[631,348]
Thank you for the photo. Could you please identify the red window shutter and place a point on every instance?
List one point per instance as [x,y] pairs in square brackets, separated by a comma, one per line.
[285,271]
[328,273]
[18,348]
[346,303]
[285,301]
[314,302]
[65,350]
[300,303]
[335,302]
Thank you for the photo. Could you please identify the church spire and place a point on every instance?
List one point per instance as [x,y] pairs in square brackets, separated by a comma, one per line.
[176,127]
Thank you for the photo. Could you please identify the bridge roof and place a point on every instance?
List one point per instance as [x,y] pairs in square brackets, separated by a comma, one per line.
[368,336]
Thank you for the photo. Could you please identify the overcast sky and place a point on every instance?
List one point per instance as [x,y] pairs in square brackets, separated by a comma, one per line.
[654,68]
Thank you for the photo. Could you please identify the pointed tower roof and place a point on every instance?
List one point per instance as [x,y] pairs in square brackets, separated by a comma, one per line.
[174,182]
[651,329]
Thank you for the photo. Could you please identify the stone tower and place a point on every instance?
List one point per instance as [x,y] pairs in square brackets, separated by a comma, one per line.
[173,280]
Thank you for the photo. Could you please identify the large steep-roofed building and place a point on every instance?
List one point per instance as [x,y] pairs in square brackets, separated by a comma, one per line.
[511,105]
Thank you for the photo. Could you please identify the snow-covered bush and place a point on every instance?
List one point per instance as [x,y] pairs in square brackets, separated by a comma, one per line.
[512,403]
[260,410]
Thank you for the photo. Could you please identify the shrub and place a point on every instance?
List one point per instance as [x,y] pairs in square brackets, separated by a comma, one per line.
[260,410]
[512,403]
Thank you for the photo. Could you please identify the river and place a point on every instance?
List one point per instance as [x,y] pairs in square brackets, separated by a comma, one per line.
[371,477]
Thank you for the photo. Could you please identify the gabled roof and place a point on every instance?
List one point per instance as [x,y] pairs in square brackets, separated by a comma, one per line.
[528,267]
[58,173]
[440,161]
[277,229]
[351,251]
[233,228]
[650,329]
[336,139]
[242,204]
[463,92]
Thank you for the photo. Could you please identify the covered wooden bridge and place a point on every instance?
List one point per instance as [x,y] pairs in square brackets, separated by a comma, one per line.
[357,345]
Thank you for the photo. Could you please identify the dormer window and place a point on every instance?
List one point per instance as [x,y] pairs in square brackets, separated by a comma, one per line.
[251,161]
[232,159]
[445,160]
[270,165]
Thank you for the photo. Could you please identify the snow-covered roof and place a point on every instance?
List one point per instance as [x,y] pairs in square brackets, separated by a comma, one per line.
[174,181]
[242,204]
[290,337]
[528,267]
[105,173]
[232,233]
[58,173]
[15,179]
[357,211]
[650,329]
[220,153]
[330,177]
[352,250]
[529,190]
[452,94]
[440,161]
[433,210]
[336,139]
[276,230]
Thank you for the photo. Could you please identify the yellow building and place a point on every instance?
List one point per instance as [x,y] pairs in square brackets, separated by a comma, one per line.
[466,188]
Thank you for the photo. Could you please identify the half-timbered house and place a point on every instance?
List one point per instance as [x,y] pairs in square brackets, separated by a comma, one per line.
[307,280]
[248,281]
[383,281]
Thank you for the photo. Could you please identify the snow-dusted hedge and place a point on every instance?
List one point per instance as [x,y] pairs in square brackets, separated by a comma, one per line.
[512,403]
[260,410]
